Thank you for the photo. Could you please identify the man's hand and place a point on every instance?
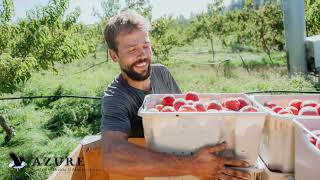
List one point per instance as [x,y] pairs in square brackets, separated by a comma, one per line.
[121,157]
[207,165]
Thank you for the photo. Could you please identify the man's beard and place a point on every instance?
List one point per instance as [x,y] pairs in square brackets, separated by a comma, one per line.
[134,75]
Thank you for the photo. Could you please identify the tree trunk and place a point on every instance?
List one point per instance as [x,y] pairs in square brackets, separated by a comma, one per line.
[227,69]
[269,55]
[266,49]
[212,49]
[244,63]
[6,128]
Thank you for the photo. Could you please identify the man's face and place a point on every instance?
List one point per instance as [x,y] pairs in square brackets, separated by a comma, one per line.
[134,54]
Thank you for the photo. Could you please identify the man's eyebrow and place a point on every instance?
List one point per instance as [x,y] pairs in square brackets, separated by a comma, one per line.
[132,45]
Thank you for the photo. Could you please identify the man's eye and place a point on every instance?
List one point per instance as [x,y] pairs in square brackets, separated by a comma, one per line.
[132,50]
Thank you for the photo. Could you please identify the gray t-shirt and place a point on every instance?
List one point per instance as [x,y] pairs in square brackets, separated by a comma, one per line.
[121,102]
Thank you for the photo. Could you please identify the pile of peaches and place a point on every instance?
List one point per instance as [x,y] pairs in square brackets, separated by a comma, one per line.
[299,108]
[296,107]
[191,103]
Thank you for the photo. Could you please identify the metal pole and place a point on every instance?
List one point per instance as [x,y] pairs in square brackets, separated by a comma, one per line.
[295,34]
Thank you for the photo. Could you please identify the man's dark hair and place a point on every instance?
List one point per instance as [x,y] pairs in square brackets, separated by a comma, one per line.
[125,22]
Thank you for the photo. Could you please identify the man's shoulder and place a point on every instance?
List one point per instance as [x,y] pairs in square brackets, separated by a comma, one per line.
[115,101]
[115,91]
[159,68]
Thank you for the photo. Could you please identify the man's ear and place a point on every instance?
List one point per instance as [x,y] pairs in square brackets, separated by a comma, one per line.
[113,54]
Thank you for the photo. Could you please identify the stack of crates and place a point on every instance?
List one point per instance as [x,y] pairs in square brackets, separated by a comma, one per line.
[278,144]
[281,141]
[181,133]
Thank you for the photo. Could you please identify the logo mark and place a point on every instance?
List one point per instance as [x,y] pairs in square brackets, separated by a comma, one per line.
[17,162]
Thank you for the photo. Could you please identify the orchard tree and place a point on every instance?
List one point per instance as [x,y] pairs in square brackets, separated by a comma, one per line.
[209,25]
[261,28]
[164,37]
[6,33]
[236,26]
[313,17]
[202,28]
[266,28]
[47,36]
[109,9]
[6,11]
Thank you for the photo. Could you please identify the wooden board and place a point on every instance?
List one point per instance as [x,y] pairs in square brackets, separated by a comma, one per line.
[90,150]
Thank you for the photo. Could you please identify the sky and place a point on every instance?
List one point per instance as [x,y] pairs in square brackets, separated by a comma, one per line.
[159,7]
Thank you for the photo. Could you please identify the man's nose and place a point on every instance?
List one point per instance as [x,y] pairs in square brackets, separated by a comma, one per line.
[142,52]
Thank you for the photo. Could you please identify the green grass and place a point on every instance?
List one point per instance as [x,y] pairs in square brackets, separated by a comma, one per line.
[29,117]
[31,141]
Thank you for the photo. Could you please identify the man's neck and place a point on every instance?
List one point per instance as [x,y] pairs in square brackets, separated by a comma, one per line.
[142,85]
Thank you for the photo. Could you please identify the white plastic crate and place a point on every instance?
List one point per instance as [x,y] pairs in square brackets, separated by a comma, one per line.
[307,156]
[269,175]
[277,142]
[183,132]
[266,174]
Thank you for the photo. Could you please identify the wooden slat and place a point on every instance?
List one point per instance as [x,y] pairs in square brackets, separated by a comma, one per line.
[91,152]
[70,172]
[93,165]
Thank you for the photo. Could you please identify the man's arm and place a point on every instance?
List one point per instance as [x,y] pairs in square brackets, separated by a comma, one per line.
[121,157]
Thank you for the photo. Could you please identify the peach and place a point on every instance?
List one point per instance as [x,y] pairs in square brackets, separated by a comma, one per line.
[190,102]
[295,103]
[214,105]
[243,102]
[225,109]
[294,110]
[168,100]
[168,109]
[232,104]
[248,109]
[308,103]
[308,111]
[187,108]
[199,106]
[192,96]
[269,104]
[276,109]
[178,103]
[159,107]
[285,111]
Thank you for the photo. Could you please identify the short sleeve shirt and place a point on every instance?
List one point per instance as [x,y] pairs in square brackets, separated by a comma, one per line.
[121,102]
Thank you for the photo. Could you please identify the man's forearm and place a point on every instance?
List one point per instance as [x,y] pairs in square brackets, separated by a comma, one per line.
[132,160]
